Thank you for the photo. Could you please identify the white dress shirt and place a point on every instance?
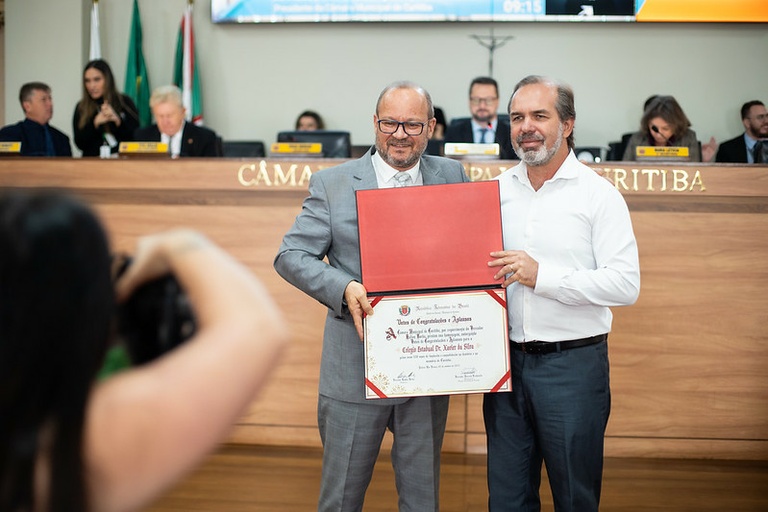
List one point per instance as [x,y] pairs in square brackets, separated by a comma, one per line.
[750,142]
[173,141]
[577,227]
[490,136]
[385,173]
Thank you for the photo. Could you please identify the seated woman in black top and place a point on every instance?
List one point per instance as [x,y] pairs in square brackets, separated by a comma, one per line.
[103,115]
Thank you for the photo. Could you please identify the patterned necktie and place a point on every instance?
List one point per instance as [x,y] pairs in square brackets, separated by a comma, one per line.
[402,179]
[49,151]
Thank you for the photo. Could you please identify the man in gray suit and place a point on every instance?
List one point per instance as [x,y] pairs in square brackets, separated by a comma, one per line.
[351,427]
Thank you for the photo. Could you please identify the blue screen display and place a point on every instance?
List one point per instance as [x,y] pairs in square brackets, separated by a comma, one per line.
[279,11]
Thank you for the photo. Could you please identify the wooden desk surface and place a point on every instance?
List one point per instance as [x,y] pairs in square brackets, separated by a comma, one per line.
[687,361]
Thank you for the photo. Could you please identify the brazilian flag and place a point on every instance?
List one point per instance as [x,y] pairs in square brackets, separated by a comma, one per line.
[136,78]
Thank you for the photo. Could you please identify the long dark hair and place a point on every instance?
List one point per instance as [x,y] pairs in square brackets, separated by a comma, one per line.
[87,107]
[314,115]
[56,306]
[667,108]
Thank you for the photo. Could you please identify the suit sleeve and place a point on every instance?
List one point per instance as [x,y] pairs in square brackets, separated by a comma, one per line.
[129,120]
[629,152]
[300,259]
[209,148]
[87,138]
[457,132]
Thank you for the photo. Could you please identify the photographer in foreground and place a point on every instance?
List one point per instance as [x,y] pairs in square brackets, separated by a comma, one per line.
[69,443]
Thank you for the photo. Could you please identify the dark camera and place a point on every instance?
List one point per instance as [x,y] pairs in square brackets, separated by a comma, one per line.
[156,318]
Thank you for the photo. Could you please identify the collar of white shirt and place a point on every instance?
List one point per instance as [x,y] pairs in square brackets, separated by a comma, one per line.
[385,173]
[173,141]
[477,130]
[568,170]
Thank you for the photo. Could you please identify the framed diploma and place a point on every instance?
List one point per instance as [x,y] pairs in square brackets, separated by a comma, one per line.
[437,344]
[440,320]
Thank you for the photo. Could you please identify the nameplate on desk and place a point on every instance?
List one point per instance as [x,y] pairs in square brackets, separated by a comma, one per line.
[469,149]
[297,148]
[10,148]
[662,152]
[143,148]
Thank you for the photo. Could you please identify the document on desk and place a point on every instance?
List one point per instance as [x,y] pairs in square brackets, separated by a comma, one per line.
[440,322]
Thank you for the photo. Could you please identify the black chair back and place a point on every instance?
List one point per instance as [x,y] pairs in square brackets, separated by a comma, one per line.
[243,149]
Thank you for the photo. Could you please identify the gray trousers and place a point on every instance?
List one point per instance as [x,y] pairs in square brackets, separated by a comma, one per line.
[352,435]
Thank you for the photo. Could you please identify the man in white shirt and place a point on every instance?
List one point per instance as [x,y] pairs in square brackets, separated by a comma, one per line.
[569,253]
[183,138]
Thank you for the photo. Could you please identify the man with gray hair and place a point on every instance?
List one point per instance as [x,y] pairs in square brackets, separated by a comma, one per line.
[569,254]
[320,255]
[183,138]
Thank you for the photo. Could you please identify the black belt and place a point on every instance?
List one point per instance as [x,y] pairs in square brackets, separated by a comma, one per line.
[547,347]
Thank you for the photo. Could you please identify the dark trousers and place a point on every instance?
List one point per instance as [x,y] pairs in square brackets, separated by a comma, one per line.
[556,413]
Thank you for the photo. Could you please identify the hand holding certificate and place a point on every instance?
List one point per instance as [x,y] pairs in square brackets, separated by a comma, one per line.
[436,329]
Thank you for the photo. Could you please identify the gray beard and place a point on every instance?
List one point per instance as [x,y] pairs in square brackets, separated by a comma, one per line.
[401,163]
[541,156]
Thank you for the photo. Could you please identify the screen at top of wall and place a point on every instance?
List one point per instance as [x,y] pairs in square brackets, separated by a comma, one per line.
[312,11]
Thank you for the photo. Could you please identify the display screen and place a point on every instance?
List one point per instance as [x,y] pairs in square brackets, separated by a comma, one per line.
[307,11]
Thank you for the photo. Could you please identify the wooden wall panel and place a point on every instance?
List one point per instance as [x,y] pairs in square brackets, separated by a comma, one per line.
[687,361]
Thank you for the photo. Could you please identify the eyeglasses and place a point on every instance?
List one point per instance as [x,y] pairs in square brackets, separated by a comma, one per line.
[760,118]
[483,101]
[409,127]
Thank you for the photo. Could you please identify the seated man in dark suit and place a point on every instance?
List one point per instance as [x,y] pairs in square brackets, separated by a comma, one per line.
[183,138]
[484,126]
[37,137]
[741,149]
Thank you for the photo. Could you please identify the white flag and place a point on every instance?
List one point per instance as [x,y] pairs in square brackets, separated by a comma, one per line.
[95,36]
[185,74]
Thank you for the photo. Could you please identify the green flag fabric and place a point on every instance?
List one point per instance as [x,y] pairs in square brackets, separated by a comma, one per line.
[136,78]
[185,75]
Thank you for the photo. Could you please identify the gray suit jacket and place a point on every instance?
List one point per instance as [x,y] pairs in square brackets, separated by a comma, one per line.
[327,227]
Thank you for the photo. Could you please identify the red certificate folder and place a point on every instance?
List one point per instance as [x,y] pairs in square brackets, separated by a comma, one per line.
[430,237]
[424,255]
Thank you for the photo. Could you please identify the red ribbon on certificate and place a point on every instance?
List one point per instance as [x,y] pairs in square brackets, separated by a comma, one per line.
[376,390]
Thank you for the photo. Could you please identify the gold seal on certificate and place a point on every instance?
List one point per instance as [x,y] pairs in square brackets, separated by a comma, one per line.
[437,344]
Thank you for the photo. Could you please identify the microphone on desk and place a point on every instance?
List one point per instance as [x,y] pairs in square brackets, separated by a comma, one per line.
[655,129]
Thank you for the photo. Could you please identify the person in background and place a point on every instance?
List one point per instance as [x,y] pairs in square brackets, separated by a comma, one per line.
[741,149]
[37,136]
[184,139]
[664,124]
[70,443]
[309,121]
[103,115]
[320,255]
[484,126]
[618,152]
[569,254]
[440,125]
